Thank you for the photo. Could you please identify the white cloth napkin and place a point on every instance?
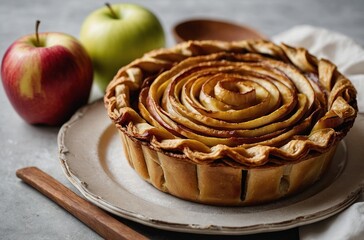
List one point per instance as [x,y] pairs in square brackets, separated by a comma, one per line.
[349,57]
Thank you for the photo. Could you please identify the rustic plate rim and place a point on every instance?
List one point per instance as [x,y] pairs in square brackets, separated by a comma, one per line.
[352,194]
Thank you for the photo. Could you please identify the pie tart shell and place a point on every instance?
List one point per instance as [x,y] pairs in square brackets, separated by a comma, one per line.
[232,175]
[222,184]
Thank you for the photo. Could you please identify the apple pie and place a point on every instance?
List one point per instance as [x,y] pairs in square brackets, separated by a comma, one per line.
[231,123]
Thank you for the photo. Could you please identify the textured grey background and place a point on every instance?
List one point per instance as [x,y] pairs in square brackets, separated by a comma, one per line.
[26,214]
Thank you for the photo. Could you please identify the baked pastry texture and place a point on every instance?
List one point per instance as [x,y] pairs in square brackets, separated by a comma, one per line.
[231,123]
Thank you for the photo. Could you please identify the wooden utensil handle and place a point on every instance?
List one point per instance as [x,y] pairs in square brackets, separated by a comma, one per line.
[97,219]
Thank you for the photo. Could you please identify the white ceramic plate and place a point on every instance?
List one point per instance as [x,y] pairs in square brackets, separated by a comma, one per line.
[92,158]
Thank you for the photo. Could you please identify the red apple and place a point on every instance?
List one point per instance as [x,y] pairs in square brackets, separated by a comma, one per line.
[47,77]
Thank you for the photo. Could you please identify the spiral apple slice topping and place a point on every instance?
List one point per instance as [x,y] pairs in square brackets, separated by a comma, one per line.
[244,103]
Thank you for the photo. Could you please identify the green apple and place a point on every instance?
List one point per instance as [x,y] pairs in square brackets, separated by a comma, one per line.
[117,34]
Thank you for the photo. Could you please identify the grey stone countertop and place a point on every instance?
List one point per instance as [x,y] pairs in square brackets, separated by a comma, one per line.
[25,213]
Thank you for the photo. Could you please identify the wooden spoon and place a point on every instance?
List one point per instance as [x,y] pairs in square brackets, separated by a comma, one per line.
[206,29]
[97,219]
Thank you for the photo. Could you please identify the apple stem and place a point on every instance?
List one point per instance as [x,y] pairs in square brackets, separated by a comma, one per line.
[111,10]
[36,32]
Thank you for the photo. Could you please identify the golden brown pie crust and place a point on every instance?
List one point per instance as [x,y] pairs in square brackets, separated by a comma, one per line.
[231,123]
